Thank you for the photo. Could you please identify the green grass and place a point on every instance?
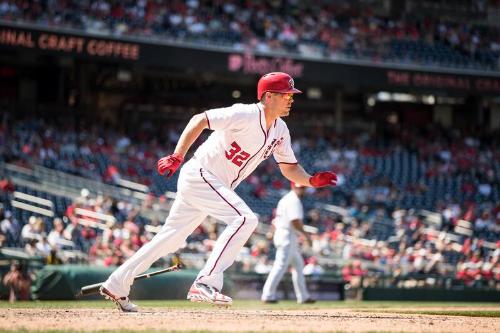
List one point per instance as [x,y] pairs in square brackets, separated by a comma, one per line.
[458,312]
[409,306]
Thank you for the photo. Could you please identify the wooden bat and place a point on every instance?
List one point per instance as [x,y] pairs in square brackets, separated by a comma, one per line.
[94,288]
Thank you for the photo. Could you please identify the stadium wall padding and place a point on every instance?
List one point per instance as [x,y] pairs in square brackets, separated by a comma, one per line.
[431,294]
[64,283]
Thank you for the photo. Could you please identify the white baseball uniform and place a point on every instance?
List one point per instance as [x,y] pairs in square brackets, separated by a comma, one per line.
[239,143]
[287,249]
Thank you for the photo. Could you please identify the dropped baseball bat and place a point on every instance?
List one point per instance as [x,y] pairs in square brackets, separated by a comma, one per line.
[94,288]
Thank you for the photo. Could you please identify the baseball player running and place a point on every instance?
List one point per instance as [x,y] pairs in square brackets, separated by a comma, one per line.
[288,221]
[243,136]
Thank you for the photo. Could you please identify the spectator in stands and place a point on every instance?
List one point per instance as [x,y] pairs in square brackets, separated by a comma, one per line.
[30,247]
[100,250]
[127,248]
[353,274]
[33,229]
[114,259]
[43,247]
[6,185]
[464,274]
[263,266]
[315,219]
[313,268]
[9,226]
[53,258]
[18,281]
[56,237]
[73,232]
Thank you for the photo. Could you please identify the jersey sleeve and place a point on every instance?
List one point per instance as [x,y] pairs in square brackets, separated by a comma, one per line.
[228,118]
[284,152]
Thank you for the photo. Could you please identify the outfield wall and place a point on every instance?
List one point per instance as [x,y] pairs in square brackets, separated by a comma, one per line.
[64,283]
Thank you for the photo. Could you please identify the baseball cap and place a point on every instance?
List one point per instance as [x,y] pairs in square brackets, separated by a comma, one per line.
[277,82]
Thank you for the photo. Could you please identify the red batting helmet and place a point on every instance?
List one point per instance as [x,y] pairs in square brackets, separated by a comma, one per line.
[277,82]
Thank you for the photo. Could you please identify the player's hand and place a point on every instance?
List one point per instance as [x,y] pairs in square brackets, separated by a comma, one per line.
[325,178]
[169,164]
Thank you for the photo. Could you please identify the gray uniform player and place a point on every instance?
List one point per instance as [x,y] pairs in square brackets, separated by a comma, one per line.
[288,222]
[243,136]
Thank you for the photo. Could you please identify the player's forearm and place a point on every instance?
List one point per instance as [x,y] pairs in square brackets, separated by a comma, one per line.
[299,226]
[192,131]
[295,173]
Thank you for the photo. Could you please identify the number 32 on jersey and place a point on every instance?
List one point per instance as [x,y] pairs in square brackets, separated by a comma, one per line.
[236,155]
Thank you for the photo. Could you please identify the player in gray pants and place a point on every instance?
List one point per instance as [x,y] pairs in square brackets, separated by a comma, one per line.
[288,222]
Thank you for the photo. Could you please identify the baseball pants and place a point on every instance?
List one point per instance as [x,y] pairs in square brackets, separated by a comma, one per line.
[285,255]
[199,194]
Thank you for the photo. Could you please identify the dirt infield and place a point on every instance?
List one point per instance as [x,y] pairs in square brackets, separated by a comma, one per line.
[227,320]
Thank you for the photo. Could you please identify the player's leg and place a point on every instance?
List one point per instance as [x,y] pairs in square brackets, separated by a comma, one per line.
[181,222]
[225,205]
[183,218]
[280,266]
[298,279]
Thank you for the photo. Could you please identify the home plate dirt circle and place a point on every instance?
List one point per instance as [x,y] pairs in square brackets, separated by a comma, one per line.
[228,320]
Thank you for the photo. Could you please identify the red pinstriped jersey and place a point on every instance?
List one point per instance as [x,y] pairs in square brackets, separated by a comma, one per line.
[240,142]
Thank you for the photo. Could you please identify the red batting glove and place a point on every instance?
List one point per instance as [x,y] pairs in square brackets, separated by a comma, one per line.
[169,164]
[320,179]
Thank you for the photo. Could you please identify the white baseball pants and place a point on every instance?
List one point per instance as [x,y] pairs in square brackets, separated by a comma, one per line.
[199,194]
[286,254]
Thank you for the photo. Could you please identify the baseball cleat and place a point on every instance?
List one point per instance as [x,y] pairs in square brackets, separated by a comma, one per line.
[270,301]
[308,301]
[123,303]
[200,292]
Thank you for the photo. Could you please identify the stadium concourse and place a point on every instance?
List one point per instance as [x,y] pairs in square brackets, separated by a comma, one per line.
[331,29]
[380,224]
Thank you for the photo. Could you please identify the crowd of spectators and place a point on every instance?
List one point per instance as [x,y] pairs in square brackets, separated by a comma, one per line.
[373,232]
[329,29]
[429,168]
[80,237]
